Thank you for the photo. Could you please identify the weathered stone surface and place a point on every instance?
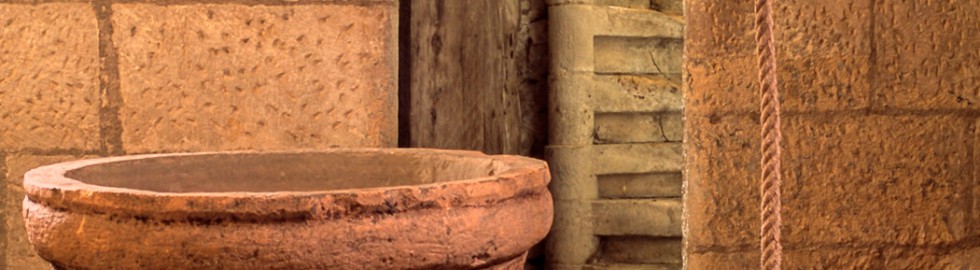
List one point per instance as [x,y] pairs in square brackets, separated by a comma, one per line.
[802,28]
[823,83]
[572,240]
[726,159]
[645,185]
[831,258]
[49,68]
[930,258]
[714,35]
[615,81]
[926,56]
[625,3]
[845,174]
[730,91]
[627,22]
[633,55]
[636,93]
[842,174]
[640,250]
[833,29]
[638,128]
[634,158]
[974,218]
[673,126]
[816,83]
[18,164]
[627,128]
[226,76]
[3,215]
[817,47]
[965,259]
[649,217]
[410,209]
[623,266]
[19,253]
[577,177]
[879,134]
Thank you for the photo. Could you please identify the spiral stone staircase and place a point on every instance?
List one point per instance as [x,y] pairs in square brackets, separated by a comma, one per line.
[615,133]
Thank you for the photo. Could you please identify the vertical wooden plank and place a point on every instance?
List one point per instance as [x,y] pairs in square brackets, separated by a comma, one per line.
[469,62]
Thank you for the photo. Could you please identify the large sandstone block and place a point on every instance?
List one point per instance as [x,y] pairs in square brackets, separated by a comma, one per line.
[49,68]
[841,174]
[883,257]
[817,44]
[802,28]
[721,174]
[927,55]
[716,84]
[808,83]
[228,76]
[709,35]
[976,183]
[833,258]
[903,175]
[879,134]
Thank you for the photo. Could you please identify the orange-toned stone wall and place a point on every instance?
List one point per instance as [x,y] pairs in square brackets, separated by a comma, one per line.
[880,118]
[88,79]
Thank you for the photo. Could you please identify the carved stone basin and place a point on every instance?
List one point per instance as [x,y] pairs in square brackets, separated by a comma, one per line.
[335,209]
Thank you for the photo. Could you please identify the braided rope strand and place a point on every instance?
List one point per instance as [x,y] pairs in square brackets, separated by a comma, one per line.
[769,116]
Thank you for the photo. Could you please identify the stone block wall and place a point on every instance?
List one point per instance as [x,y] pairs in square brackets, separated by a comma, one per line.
[102,78]
[879,134]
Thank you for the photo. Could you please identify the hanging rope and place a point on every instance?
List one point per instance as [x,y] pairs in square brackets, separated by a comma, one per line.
[772,251]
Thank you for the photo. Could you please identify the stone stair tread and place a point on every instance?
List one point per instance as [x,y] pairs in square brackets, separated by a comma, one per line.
[638,158]
[636,93]
[638,217]
[632,22]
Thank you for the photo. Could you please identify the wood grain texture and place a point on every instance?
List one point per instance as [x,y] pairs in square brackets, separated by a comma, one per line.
[473,84]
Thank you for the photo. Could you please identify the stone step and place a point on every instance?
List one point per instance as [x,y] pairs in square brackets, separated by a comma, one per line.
[640,250]
[633,22]
[618,266]
[637,158]
[637,217]
[638,55]
[669,7]
[636,93]
[637,186]
[638,127]
[641,4]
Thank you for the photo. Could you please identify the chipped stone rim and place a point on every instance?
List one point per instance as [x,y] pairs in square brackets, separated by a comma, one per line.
[521,177]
